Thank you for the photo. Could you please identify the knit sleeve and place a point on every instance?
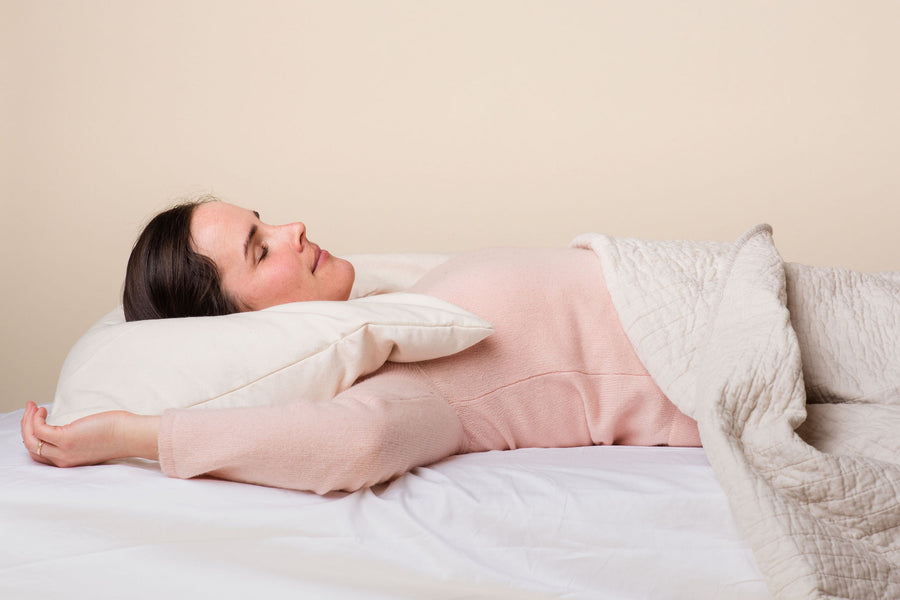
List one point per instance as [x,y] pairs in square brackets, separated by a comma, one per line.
[372,432]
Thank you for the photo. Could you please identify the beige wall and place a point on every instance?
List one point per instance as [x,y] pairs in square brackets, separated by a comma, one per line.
[414,125]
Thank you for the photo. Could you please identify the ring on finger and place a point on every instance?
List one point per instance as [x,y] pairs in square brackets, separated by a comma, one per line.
[40,447]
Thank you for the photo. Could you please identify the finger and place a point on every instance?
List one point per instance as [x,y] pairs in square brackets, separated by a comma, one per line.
[26,412]
[27,428]
[34,421]
[32,441]
[52,436]
[49,433]
[48,438]
[43,456]
[47,454]
[42,451]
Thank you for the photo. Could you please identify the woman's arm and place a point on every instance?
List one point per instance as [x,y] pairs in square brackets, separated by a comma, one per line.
[370,433]
[90,440]
[376,430]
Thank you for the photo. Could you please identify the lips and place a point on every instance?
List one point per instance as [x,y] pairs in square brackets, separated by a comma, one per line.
[321,257]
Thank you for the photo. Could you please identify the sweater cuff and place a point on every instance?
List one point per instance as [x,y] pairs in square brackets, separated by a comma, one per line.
[165,443]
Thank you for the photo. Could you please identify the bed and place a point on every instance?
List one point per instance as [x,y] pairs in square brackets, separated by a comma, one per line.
[738,340]
[597,523]
[600,522]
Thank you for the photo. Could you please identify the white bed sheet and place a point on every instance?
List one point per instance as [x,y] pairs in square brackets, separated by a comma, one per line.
[597,523]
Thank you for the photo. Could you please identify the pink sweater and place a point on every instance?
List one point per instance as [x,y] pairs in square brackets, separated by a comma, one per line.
[558,372]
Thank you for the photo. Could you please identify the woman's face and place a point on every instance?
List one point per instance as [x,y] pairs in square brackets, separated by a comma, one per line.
[264,265]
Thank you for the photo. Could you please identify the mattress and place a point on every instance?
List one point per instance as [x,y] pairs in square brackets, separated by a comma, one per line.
[564,523]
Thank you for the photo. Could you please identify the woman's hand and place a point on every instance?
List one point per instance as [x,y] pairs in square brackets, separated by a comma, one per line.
[88,441]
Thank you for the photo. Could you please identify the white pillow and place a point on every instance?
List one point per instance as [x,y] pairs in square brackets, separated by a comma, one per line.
[305,351]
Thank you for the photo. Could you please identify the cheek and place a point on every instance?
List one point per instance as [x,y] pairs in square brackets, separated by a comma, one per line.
[285,282]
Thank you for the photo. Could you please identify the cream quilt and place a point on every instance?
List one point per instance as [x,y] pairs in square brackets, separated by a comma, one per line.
[793,374]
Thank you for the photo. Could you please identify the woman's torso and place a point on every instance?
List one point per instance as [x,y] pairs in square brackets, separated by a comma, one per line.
[558,371]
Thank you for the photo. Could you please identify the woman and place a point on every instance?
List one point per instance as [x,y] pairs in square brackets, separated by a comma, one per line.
[558,371]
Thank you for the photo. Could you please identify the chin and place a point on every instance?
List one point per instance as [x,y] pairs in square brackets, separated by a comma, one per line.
[351,277]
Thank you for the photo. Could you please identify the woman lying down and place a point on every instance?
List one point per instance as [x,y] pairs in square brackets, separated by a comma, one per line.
[558,371]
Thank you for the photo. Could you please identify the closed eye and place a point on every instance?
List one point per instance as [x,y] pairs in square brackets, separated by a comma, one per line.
[262,255]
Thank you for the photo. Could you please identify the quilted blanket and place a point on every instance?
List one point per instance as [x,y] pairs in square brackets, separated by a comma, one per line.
[793,374]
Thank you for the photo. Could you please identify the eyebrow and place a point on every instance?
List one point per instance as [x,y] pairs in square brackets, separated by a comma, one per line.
[250,236]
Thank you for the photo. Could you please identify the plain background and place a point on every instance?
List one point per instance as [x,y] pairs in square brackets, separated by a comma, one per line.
[411,125]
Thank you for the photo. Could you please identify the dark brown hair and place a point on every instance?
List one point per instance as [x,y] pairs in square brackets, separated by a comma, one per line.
[167,278]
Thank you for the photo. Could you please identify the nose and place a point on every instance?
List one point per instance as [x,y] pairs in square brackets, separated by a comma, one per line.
[294,233]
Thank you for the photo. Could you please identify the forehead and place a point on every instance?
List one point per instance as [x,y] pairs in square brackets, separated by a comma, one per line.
[219,230]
